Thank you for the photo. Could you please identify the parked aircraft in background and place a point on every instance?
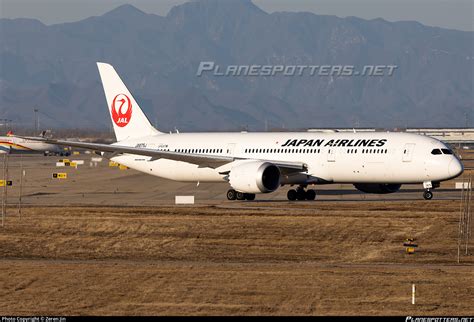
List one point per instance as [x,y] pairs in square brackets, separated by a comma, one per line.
[14,145]
[254,163]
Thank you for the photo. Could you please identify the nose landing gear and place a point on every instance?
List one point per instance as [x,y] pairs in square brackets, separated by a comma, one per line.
[428,185]
[428,195]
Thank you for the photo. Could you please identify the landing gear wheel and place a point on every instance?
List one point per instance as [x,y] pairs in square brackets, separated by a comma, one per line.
[427,195]
[231,194]
[300,194]
[310,194]
[240,195]
[250,196]
[291,195]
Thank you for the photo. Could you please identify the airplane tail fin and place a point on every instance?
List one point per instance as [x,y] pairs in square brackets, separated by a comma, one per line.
[128,119]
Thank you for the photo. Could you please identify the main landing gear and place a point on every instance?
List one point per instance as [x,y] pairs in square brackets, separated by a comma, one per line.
[233,195]
[301,194]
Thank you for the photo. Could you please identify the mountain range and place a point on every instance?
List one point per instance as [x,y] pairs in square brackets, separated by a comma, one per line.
[52,68]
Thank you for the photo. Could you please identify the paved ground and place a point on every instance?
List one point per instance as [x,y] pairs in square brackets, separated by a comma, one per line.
[102,184]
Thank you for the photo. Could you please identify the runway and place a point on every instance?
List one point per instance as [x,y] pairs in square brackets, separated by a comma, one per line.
[101,184]
[106,241]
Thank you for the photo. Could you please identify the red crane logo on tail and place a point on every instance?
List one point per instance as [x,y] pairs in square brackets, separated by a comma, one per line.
[121,110]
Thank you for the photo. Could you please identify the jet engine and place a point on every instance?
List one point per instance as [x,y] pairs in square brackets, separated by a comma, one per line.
[378,188]
[255,177]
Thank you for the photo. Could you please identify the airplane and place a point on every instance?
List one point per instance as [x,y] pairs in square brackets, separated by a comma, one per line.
[11,144]
[259,163]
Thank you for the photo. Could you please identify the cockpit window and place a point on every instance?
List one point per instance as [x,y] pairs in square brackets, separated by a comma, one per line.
[436,151]
[447,151]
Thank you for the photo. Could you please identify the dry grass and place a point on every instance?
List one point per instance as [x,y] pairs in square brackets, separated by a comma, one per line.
[235,258]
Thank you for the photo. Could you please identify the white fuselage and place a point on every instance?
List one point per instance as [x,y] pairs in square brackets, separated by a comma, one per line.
[380,157]
[13,145]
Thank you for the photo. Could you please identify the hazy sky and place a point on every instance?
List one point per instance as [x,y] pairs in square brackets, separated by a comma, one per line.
[455,14]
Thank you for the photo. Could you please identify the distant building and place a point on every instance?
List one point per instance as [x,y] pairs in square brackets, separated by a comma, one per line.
[453,135]
[465,135]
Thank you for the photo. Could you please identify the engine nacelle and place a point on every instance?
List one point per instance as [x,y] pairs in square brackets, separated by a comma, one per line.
[378,188]
[255,177]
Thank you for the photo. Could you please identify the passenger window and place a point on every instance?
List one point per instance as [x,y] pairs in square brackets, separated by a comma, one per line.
[436,151]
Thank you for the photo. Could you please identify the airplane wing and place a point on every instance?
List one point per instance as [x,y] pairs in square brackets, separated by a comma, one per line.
[211,161]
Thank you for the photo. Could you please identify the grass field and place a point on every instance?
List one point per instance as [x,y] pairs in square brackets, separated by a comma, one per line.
[277,258]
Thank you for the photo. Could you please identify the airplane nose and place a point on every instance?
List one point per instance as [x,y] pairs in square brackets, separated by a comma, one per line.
[455,168]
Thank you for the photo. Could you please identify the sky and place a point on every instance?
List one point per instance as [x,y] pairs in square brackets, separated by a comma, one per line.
[453,14]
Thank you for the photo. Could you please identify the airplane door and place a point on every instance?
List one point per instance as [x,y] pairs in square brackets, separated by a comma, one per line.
[331,155]
[408,152]
[230,149]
